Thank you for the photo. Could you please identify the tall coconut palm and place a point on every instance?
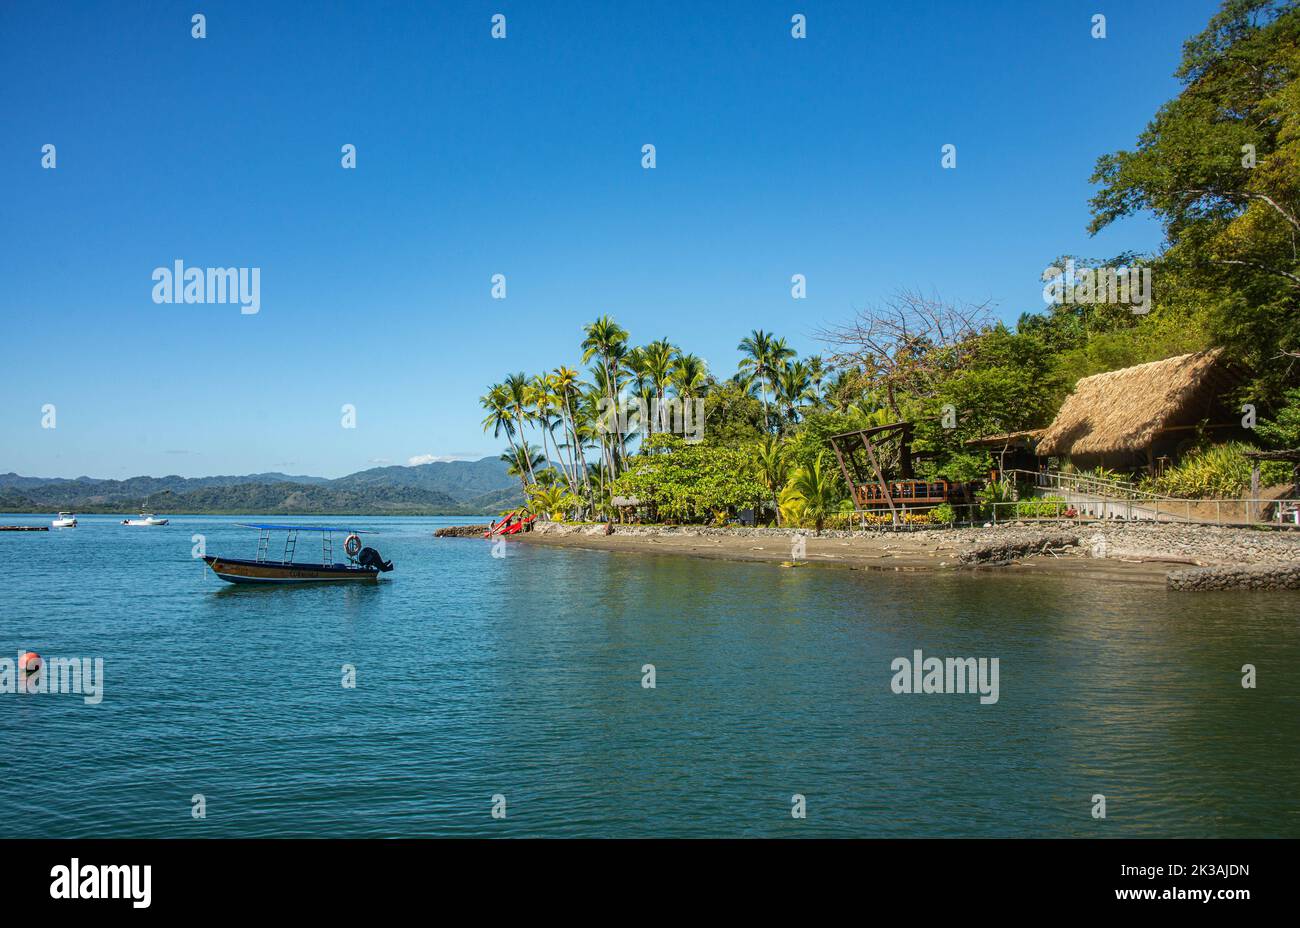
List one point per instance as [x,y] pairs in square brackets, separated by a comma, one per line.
[564,387]
[657,363]
[638,384]
[544,409]
[817,373]
[764,356]
[841,390]
[501,418]
[793,387]
[689,376]
[521,460]
[517,388]
[606,340]
[601,423]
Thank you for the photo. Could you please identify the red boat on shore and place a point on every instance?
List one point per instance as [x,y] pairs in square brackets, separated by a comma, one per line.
[512,524]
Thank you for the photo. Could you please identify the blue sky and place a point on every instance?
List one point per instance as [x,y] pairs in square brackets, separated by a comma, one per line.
[521,156]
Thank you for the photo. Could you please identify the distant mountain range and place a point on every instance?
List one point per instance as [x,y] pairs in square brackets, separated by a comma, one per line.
[440,488]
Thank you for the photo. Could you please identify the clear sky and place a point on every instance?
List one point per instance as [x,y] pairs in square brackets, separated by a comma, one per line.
[522,157]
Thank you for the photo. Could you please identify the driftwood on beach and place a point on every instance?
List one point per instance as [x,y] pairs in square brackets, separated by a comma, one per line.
[1002,551]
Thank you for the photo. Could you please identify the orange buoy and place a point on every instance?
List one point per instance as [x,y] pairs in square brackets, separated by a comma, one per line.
[29,662]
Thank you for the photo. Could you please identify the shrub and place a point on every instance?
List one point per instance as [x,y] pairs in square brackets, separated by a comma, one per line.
[1045,507]
[1221,471]
[943,514]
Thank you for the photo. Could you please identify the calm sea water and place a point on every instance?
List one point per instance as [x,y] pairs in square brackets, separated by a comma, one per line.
[521,676]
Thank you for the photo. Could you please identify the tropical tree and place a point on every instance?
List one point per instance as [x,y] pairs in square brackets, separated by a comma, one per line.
[565,386]
[606,341]
[551,501]
[657,360]
[794,387]
[521,461]
[1219,166]
[764,356]
[519,391]
[501,418]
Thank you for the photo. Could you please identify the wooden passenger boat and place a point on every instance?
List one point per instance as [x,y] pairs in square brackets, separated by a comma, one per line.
[364,564]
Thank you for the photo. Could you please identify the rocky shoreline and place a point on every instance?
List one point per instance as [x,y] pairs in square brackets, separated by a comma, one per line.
[461,531]
[1219,558]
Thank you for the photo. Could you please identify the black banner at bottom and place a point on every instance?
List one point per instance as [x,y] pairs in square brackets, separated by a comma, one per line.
[338,877]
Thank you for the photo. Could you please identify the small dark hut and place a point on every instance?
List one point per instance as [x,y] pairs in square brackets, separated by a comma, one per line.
[1010,450]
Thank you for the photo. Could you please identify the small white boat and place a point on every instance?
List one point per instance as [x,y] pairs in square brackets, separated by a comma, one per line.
[146,518]
[65,520]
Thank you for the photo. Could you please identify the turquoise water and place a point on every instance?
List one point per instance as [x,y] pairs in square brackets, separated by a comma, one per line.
[521,676]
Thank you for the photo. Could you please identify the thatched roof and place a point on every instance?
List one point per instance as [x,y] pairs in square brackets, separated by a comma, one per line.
[1121,411]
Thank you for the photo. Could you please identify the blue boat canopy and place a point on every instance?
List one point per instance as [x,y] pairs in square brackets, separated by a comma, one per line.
[266,526]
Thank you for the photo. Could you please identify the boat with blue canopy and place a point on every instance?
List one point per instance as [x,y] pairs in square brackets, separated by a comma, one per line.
[274,564]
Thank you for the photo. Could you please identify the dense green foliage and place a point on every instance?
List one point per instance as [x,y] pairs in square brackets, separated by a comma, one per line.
[683,482]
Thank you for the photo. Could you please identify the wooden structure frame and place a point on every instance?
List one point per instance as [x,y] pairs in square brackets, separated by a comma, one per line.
[867,483]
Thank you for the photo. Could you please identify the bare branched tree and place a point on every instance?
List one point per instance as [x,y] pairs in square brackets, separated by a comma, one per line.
[907,343]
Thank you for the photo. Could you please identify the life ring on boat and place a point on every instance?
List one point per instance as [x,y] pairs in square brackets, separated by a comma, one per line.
[352,545]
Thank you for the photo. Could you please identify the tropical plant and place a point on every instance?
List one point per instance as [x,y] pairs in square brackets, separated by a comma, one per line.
[772,463]
[1221,471]
[813,490]
[551,501]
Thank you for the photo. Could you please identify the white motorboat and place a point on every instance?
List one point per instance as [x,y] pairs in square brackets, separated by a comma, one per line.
[65,520]
[146,518]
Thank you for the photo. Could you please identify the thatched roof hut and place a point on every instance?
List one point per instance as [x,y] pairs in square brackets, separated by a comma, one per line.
[1136,410]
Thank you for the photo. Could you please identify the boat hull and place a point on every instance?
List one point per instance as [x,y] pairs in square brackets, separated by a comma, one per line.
[236,570]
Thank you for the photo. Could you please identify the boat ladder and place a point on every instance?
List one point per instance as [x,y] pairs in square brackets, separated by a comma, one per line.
[263,542]
[290,544]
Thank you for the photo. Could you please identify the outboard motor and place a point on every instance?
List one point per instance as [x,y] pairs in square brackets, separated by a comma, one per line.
[369,557]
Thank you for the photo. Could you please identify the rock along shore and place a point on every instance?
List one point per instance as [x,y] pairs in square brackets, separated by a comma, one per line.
[461,531]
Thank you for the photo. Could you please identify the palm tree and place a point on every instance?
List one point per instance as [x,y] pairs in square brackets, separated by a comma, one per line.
[794,385]
[564,386]
[689,376]
[501,418]
[657,364]
[545,408]
[517,388]
[550,501]
[607,340]
[841,390]
[815,488]
[521,461]
[773,467]
[817,372]
[764,356]
[635,366]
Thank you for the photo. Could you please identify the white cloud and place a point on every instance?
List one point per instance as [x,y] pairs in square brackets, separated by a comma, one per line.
[418,459]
